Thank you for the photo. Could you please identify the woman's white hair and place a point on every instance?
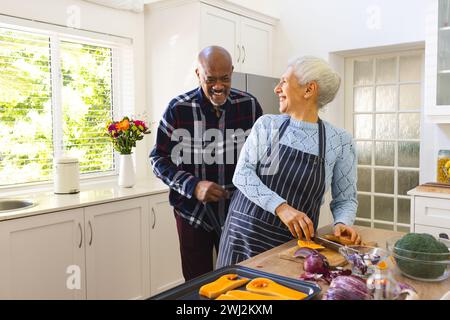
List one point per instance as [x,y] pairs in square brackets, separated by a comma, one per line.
[308,68]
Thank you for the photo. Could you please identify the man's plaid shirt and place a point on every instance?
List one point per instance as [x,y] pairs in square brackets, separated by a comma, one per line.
[194,115]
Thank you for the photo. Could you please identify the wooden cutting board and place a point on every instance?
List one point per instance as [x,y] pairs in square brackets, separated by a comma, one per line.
[335,259]
[434,187]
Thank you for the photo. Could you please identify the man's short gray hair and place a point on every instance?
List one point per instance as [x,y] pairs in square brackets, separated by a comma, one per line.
[308,68]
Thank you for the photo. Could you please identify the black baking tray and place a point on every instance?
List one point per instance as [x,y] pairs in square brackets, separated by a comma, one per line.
[189,290]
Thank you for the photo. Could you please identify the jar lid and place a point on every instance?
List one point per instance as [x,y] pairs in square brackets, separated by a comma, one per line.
[66,159]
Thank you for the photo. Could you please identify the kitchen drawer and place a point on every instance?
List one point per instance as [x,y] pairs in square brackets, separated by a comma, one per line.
[435,231]
[433,212]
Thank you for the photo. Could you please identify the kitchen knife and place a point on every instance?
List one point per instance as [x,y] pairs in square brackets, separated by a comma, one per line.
[327,243]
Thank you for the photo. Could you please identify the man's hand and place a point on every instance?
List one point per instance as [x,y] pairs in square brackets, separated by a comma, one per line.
[298,222]
[208,191]
[342,230]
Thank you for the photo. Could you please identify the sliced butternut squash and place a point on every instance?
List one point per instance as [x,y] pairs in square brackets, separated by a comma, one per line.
[382,265]
[247,295]
[226,297]
[223,284]
[309,244]
[271,288]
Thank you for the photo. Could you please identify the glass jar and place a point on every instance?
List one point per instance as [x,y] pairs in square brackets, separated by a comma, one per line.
[443,167]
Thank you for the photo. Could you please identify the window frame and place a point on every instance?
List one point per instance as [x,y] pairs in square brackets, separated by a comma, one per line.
[349,120]
[119,46]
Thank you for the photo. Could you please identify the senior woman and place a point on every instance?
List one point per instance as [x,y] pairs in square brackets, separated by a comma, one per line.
[287,164]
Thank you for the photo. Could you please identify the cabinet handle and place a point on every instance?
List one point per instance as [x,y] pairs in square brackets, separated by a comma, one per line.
[243,59]
[92,233]
[154,218]
[239,57]
[81,235]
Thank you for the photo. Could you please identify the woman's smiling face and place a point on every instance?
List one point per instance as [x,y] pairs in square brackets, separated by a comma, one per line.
[289,91]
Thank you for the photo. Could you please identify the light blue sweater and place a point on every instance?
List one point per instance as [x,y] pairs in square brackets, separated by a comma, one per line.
[340,163]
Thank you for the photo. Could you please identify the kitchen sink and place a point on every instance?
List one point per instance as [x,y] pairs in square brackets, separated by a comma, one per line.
[15,204]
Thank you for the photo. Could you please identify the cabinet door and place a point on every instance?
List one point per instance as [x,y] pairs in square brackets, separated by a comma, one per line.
[165,257]
[221,28]
[43,257]
[117,259]
[434,231]
[437,61]
[432,212]
[256,41]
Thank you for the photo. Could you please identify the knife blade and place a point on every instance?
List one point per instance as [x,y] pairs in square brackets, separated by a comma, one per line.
[327,243]
[332,245]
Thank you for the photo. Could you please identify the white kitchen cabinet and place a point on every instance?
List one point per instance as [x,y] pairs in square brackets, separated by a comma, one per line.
[36,254]
[437,62]
[434,231]
[256,45]
[430,212]
[223,28]
[248,41]
[126,249]
[117,250]
[165,259]
[176,31]
[107,244]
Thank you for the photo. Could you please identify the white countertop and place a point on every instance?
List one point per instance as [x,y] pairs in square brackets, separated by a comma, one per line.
[441,195]
[47,201]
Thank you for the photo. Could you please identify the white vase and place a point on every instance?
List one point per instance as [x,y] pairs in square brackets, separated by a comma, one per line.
[127,174]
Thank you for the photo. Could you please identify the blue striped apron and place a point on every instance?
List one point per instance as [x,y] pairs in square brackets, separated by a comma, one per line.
[300,180]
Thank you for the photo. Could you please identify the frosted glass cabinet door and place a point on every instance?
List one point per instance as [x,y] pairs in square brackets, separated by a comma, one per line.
[443,76]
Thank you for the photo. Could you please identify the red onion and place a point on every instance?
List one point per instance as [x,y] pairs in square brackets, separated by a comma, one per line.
[347,288]
[316,263]
[405,286]
[304,252]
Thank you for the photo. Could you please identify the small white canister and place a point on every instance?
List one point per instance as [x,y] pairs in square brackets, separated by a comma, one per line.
[67,175]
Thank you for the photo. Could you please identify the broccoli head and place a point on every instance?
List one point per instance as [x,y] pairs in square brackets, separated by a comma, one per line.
[423,247]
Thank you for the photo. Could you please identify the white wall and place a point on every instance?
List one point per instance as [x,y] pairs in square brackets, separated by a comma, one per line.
[322,27]
[97,18]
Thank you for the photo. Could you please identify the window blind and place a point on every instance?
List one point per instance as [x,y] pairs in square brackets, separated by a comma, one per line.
[87,104]
[56,98]
[26,146]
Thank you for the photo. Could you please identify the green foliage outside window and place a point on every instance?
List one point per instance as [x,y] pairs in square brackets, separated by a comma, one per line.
[27,128]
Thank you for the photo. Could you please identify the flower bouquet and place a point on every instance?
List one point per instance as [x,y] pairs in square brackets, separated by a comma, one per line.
[124,134]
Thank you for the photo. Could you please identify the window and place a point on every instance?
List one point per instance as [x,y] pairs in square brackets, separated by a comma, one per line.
[56,97]
[383,102]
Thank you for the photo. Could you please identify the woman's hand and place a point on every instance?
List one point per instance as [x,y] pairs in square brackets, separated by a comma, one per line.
[298,222]
[342,230]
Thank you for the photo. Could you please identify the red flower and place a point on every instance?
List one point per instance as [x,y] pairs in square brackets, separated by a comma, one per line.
[140,124]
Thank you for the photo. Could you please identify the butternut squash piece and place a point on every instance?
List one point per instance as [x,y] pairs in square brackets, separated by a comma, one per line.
[223,284]
[247,295]
[309,244]
[382,265]
[226,297]
[271,288]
